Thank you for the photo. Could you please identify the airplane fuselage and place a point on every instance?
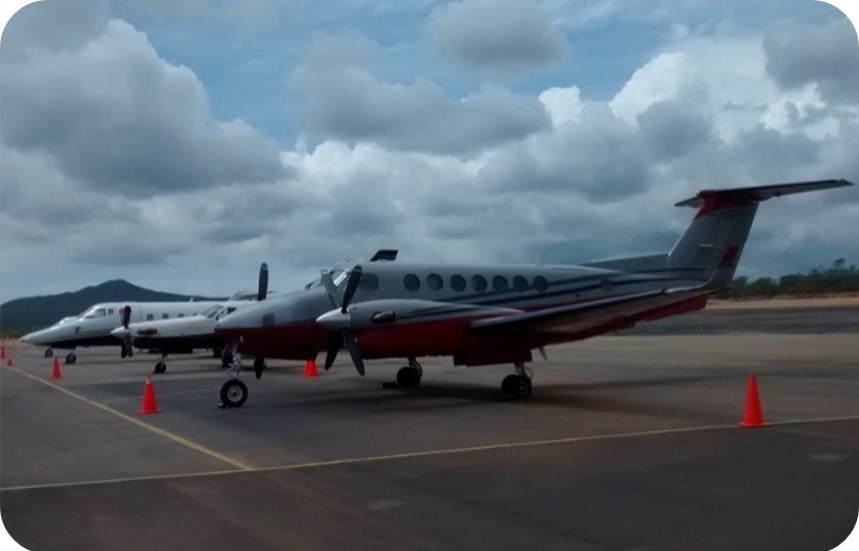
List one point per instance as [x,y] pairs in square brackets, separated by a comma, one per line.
[93,327]
[434,305]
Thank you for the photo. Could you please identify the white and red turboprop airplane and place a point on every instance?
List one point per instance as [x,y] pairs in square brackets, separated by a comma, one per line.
[496,314]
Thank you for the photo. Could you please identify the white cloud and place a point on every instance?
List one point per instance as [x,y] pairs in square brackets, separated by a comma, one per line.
[563,104]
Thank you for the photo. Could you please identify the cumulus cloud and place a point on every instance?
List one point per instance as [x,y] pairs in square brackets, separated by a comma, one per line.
[346,101]
[114,116]
[798,54]
[492,176]
[496,36]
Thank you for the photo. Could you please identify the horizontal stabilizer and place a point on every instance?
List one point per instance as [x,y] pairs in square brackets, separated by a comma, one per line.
[757,194]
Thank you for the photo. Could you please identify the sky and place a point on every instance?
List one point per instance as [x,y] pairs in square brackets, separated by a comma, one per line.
[180,143]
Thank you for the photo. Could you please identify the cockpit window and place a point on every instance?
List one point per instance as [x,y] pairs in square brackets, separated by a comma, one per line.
[211,311]
[95,313]
[339,275]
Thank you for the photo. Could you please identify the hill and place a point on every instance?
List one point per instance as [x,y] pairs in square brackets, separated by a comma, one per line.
[36,312]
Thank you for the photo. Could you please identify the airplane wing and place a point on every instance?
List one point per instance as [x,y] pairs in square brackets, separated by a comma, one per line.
[592,318]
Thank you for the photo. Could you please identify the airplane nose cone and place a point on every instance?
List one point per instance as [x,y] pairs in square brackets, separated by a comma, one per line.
[120,332]
[334,320]
[28,338]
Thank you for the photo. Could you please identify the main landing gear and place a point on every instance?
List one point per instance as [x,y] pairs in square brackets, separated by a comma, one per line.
[71,358]
[234,393]
[517,386]
[49,352]
[410,375]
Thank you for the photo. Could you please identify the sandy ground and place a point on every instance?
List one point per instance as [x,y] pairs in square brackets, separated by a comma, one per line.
[783,303]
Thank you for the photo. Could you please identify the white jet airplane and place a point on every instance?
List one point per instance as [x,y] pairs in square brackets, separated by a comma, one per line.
[94,326]
[97,325]
[183,335]
[496,314]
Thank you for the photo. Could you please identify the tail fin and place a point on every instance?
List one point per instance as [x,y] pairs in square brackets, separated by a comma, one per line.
[713,243]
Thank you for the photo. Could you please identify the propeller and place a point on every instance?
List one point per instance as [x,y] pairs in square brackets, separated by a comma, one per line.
[347,337]
[127,348]
[262,291]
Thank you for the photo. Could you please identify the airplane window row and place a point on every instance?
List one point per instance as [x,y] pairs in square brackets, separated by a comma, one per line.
[435,282]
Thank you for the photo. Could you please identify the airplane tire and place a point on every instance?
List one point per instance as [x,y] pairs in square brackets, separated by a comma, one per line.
[234,393]
[71,359]
[160,367]
[408,377]
[516,386]
[49,352]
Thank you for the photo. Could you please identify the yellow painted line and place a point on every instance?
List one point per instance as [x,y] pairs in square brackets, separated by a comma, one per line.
[155,430]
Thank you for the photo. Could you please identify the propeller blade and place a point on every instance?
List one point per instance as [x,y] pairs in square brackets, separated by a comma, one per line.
[127,348]
[351,286]
[262,288]
[259,367]
[331,355]
[352,346]
[330,288]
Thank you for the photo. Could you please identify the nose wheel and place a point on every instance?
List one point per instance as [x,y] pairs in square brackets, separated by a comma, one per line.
[49,352]
[234,393]
[71,358]
[161,366]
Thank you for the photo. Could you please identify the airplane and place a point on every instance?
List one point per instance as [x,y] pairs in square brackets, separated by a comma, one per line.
[182,335]
[94,326]
[492,314]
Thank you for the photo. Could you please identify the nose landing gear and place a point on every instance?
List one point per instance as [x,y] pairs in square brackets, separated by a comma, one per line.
[49,352]
[71,358]
[234,393]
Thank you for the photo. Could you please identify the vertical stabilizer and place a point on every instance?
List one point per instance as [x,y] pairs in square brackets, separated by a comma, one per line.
[713,243]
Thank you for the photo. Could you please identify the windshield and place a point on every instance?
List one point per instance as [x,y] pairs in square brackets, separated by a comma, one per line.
[95,312]
[212,311]
[339,275]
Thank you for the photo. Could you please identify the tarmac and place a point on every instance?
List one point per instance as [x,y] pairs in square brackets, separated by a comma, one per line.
[628,442]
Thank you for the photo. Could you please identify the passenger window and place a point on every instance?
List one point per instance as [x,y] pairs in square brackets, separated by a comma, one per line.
[149,317]
[181,315]
[499,283]
[520,284]
[541,284]
[478,283]
[369,283]
[110,311]
[165,316]
[412,282]
[435,282]
[457,283]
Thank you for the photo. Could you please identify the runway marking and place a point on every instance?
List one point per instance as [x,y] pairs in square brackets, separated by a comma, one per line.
[426,453]
[153,429]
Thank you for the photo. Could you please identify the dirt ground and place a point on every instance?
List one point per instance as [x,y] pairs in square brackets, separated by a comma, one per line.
[783,303]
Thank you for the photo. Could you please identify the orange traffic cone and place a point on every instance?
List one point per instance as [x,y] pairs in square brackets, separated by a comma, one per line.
[2,352]
[310,369]
[753,416]
[55,371]
[9,361]
[149,405]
